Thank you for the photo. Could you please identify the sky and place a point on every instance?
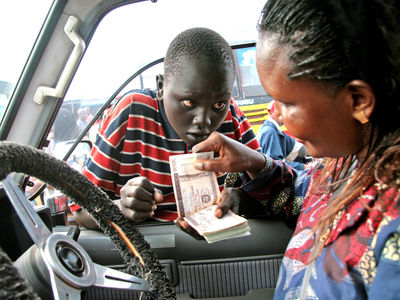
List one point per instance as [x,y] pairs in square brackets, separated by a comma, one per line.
[126,39]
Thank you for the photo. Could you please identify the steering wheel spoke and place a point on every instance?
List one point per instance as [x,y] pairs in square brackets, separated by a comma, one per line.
[110,278]
[63,291]
[35,226]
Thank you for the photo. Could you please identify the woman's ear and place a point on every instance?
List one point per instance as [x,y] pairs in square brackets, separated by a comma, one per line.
[363,98]
[160,87]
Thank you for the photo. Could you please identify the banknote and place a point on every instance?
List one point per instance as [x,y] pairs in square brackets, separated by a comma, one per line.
[214,229]
[196,193]
[194,189]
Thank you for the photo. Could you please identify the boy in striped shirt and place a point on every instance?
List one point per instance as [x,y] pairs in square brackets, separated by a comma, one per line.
[130,159]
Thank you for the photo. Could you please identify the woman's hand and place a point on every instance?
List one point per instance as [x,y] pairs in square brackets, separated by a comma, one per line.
[139,199]
[229,199]
[233,156]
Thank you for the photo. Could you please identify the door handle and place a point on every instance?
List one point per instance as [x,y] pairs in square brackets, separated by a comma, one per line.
[71,30]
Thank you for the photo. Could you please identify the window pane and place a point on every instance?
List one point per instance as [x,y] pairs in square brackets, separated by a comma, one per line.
[20,23]
[127,39]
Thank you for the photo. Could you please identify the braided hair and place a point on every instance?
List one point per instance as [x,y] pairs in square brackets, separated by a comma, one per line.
[201,43]
[334,42]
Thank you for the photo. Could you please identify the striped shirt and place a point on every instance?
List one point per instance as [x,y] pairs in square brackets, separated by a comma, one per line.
[136,139]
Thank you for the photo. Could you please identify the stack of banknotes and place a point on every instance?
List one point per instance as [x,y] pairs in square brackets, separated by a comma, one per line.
[197,194]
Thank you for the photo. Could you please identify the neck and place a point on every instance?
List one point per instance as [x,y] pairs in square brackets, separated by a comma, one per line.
[362,154]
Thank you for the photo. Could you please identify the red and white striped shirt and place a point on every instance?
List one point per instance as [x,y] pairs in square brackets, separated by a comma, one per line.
[136,139]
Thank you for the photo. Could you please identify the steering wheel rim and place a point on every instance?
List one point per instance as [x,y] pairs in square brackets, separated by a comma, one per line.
[135,251]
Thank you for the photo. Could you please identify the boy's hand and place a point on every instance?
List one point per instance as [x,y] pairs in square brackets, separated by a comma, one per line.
[139,199]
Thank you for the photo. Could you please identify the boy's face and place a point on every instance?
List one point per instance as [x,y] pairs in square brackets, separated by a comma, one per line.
[197,100]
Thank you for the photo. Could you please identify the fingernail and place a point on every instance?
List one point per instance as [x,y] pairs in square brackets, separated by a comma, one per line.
[198,165]
[218,213]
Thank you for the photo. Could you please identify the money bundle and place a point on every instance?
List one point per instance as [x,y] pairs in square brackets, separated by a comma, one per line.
[196,194]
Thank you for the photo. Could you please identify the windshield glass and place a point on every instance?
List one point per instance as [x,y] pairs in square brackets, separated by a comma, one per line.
[127,39]
[20,27]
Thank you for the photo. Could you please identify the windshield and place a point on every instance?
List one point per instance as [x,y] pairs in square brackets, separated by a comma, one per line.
[127,39]
[20,27]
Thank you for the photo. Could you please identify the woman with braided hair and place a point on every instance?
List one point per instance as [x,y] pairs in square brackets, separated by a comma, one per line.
[333,68]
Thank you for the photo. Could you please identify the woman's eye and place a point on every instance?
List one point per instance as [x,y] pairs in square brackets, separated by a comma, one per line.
[188,103]
[220,105]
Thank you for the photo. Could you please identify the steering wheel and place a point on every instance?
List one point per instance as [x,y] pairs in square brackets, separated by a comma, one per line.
[70,267]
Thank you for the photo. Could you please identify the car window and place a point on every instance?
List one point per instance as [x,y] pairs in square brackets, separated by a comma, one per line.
[19,27]
[127,39]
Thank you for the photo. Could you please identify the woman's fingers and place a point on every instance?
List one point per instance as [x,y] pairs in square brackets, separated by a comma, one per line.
[184,226]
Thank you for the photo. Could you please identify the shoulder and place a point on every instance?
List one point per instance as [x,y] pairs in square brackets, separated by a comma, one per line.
[386,210]
[267,129]
[145,97]
[138,102]
[135,101]
[267,125]
[387,267]
[234,110]
[387,244]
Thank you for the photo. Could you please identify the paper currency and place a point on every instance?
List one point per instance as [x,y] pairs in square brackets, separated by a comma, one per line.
[214,229]
[196,193]
[194,189]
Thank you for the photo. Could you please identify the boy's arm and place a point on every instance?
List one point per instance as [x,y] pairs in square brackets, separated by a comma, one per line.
[138,202]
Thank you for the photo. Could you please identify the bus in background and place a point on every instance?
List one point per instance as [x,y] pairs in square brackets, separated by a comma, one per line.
[248,91]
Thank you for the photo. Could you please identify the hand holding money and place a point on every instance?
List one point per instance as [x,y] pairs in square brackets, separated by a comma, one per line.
[199,202]
[229,200]
[233,156]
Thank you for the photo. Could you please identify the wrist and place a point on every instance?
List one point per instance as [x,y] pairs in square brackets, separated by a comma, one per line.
[264,163]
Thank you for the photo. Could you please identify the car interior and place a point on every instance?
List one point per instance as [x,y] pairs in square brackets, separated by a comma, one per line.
[82,57]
